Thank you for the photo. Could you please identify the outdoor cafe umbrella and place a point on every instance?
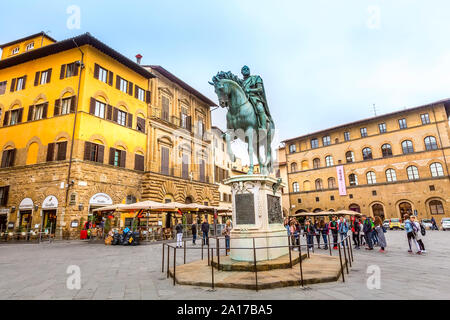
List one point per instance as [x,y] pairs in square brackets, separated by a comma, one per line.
[113,207]
[347,213]
[149,205]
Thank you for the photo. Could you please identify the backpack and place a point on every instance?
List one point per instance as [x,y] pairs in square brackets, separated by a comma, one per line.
[422,230]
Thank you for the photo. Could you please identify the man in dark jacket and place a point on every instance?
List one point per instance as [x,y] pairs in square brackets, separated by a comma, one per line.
[194,232]
[367,229]
[179,229]
[205,231]
[334,231]
[355,231]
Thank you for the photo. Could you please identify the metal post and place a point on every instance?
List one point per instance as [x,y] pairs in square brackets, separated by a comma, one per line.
[329,243]
[50,232]
[307,245]
[351,250]
[312,243]
[212,267]
[340,260]
[345,255]
[300,262]
[184,252]
[254,263]
[348,252]
[168,260]
[174,263]
[208,253]
[162,268]
[218,253]
[148,217]
[289,248]
[202,249]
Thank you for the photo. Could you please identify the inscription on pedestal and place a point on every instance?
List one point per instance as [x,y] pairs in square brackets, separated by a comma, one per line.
[245,208]
[274,208]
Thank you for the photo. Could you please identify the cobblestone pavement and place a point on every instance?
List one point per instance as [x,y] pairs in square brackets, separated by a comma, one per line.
[38,271]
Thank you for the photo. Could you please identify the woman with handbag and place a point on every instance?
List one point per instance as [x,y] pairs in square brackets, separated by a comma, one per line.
[380,233]
[410,229]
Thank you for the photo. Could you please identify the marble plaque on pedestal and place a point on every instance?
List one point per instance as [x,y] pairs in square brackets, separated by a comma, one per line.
[274,209]
[245,208]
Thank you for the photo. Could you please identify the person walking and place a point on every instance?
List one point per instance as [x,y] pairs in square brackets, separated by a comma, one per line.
[179,229]
[316,228]
[227,232]
[205,231]
[194,232]
[309,232]
[434,224]
[323,229]
[418,231]
[367,229]
[373,234]
[343,229]
[410,230]
[379,228]
[355,231]
[334,231]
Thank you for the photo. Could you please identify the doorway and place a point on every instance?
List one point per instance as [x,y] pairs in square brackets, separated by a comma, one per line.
[25,220]
[405,208]
[49,220]
[355,207]
[3,220]
[378,210]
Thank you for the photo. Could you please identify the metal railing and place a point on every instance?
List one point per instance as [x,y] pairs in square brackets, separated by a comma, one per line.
[28,235]
[344,248]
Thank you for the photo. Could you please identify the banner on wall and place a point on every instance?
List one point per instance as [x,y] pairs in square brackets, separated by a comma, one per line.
[341,180]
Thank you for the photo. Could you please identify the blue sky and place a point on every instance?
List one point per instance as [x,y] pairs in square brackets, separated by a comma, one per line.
[324,63]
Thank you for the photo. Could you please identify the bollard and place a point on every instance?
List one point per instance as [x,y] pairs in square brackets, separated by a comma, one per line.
[218,253]
[208,253]
[50,232]
[351,250]
[307,246]
[254,264]
[342,267]
[345,255]
[162,268]
[290,255]
[184,248]
[300,262]
[174,263]
[348,252]
[329,244]
[168,260]
[212,267]
[202,249]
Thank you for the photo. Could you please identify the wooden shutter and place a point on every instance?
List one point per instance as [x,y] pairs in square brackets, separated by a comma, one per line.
[57,109]
[141,124]
[30,113]
[130,88]
[63,71]
[164,160]
[110,78]
[44,112]
[147,97]
[13,85]
[136,91]
[165,108]
[76,67]
[92,107]
[202,170]
[49,75]
[36,78]
[185,166]
[117,82]
[111,156]
[138,162]
[24,82]
[6,118]
[50,151]
[87,150]
[4,157]
[96,71]
[101,153]
[130,120]
[189,123]
[12,157]
[62,150]
[19,116]
[4,201]
[123,158]
[109,112]
[73,104]
[115,114]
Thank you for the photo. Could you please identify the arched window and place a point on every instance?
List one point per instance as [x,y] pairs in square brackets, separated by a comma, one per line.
[306,185]
[350,156]
[329,161]
[436,169]
[367,154]
[331,183]
[316,163]
[353,180]
[305,165]
[436,207]
[295,187]
[430,143]
[391,176]
[386,150]
[319,184]
[371,177]
[293,167]
[407,147]
[413,173]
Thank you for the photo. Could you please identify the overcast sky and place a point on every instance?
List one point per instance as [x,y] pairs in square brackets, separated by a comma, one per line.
[323,63]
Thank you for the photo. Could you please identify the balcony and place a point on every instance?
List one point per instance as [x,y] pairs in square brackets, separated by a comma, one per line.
[159,114]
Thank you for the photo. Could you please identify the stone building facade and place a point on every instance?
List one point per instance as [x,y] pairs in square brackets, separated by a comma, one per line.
[387,165]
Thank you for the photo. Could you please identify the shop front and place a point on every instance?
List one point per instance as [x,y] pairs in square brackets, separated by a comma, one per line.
[49,214]
[97,219]
[25,214]
[3,218]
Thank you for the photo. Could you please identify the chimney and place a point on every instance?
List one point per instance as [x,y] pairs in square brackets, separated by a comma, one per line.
[138,58]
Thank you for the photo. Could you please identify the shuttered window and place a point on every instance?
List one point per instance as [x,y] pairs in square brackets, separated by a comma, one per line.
[3,87]
[42,77]
[185,167]
[8,158]
[13,117]
[140,124]
[165,108]
[164,160]
[138,162]
[93,152]
[38,112]
[18,84]
[202,170]
[117,157]
[4,191]
[62,151]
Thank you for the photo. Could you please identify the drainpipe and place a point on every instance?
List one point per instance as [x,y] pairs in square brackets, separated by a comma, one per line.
[74,125]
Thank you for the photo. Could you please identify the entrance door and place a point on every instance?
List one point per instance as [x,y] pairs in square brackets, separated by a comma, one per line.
[355,207]
[49,220]
[25,220]
[378,210]
[405,208]
[3,219]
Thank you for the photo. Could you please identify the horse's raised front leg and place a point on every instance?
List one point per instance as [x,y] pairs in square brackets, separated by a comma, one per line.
[250,138]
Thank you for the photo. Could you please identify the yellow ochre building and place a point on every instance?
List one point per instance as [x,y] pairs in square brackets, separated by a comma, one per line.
[383,166]
[82,126]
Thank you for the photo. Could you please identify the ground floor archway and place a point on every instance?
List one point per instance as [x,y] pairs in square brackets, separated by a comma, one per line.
[378,211]
[354,207]
[405,208]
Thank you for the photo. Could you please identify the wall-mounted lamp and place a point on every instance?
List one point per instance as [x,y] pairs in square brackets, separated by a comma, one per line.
[80,207]
[36,207]
[13,209]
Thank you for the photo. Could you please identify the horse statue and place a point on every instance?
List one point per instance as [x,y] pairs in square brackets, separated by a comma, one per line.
[246,119]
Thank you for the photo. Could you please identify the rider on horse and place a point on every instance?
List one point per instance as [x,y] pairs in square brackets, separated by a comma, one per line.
[254,88]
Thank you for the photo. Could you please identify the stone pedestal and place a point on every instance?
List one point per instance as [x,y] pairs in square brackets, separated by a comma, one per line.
[257,213]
